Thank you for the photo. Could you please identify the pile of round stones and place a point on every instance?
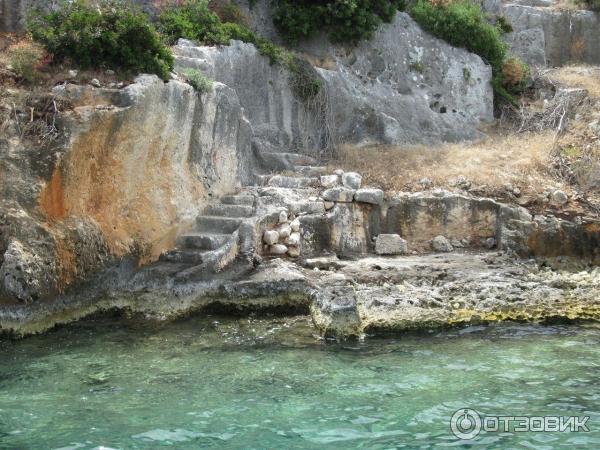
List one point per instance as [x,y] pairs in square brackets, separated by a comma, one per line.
[284,239]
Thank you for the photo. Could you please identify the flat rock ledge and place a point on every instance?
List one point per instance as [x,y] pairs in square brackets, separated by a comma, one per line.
[345,298]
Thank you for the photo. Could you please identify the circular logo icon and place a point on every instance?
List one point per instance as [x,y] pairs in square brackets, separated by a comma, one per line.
[465,424]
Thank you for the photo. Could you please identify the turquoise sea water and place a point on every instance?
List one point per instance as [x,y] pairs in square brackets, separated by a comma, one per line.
[222,383]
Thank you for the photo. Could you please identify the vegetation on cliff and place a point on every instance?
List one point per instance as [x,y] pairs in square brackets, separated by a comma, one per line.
[343,20]
[200,21]
[114,35]
[463,24]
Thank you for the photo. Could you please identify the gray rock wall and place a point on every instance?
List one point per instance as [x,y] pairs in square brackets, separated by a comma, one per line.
[544,35]
[403,86]
[568,36]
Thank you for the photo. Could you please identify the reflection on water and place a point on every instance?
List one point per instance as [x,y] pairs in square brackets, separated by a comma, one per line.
[221,383]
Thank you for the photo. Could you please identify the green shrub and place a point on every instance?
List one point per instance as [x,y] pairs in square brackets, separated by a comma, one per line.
[112,34]
[343,20]
[463,24]
[198,80]
[25,57]
[191,20]
[504,25]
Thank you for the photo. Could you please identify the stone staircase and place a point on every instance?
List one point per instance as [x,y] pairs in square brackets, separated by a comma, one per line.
[217,238]
[289,170]
[214,242]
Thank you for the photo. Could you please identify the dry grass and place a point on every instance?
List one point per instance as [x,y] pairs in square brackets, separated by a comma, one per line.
[586,77]
[489,166]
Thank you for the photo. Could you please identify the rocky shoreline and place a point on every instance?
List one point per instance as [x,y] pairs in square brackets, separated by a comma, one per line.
[347,298]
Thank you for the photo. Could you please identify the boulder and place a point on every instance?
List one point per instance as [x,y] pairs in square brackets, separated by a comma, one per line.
[368,195]
[294,239]
[329,181]
[441,244]
[278,249]
[390,244]
[270,237]
[283,217]
[339,194]
[351,180]
[284,231]
[295,225]
[559,198]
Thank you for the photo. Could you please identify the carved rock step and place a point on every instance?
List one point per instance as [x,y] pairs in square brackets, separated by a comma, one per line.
[239,199]
[311,171]
[284,161]
[202,241]
[183,256]
[218,224]
[292,182]
[229,210]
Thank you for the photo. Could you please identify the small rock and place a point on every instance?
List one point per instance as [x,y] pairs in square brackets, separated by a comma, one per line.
[367,195]
[285,231]
[283,217]
[425,182]
[490,243]
[294,239]
[339,194]
[339,172]
[351,180]
[329,181]
[72,73]
[270,237]
[390,244]
[328,205]
[456,243]
[441,244]
[294,252]
[559,198]
[295,225]
[95,82]
[110,72]
[278,249]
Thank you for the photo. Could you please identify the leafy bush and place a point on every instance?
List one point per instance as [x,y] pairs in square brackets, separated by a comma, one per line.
[112,34]
[198,80]
[463,24]
[25,58]
[343,20]
[515,74]
[191,20]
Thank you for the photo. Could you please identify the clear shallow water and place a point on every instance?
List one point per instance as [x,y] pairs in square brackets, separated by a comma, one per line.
[217,383]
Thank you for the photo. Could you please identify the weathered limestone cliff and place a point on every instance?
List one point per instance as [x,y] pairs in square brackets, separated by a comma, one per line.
[402,86]
[547,35]
[136,165]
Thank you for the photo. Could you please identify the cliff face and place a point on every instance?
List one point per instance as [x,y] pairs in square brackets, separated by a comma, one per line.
[402,86]
[546,35]
[136,166]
